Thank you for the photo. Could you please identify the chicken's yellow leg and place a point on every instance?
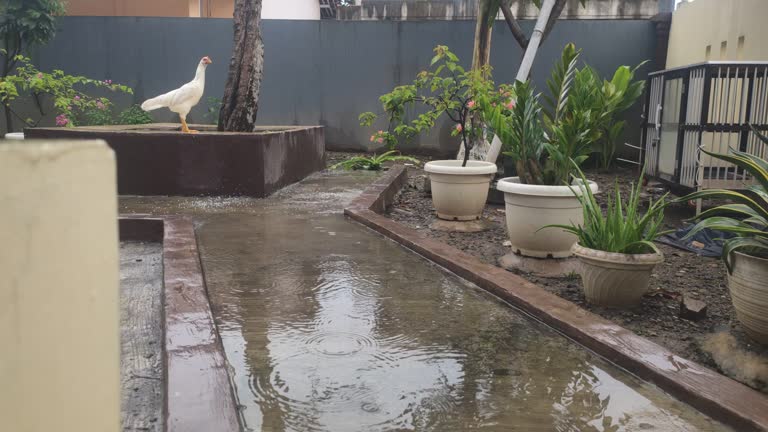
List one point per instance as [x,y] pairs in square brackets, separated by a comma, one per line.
[184,127]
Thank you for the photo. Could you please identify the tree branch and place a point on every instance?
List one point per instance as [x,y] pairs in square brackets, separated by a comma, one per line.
[514,26]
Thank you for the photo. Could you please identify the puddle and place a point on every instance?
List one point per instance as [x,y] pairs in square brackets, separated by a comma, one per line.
[329,327]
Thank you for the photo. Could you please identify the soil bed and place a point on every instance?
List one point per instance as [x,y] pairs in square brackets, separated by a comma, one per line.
[657,318]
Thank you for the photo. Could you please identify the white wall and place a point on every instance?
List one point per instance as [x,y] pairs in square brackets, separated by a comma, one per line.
[734,30]
[290,9]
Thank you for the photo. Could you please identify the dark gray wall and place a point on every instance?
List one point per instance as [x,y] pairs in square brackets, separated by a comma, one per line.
[319,72]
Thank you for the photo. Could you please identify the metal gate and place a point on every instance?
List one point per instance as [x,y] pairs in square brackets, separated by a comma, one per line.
[707,105]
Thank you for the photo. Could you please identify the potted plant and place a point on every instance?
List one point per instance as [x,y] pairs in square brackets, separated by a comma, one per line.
[616,249]
[544,147]
[459,187]
[746,255]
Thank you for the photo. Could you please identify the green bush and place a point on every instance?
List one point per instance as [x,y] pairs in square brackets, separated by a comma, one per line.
[134,115]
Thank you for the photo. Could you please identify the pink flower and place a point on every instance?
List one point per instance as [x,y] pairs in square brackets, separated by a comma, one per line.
[107,81]
[380,140]
[373,138]
[77,97]
[471,104]
[100,105]
[510,105]
[62,120]
[459,127]
[40,75]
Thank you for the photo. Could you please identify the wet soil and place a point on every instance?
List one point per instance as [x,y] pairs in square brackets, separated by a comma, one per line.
[141,336]
[657,318]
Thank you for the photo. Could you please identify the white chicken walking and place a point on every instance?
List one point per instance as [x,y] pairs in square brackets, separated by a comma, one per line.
[182,99]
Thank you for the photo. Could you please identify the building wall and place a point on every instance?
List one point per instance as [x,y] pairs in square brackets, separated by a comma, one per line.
[713,30]
[524,9]
[321,72]
[271,9]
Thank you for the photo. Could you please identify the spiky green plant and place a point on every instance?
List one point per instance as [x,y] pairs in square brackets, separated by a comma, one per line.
[747,218]
[622,229]
[373,163]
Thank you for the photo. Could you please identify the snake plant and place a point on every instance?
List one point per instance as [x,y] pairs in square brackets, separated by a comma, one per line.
[747,215]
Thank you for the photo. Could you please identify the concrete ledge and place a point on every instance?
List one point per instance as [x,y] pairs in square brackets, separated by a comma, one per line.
[157,159]
[200,397]
[716,395]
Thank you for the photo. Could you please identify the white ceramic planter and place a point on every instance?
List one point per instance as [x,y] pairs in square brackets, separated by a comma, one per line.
[749,292]
[459,193]
[14,136]
[615,279]
[532,207]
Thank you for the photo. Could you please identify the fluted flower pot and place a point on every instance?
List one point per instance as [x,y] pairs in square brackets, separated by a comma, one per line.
[459,193]
[749,292]
[529,208]
[615,279]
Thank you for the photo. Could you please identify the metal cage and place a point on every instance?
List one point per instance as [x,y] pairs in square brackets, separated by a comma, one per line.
[710,106]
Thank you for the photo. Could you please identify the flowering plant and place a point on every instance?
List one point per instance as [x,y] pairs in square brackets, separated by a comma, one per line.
[446,88]
[69,103]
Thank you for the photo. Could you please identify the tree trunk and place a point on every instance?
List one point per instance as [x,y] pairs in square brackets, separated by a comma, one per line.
[481,54]
[7,67]
[241,94]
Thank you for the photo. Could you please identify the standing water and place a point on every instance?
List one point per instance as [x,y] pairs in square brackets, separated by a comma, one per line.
[330,327]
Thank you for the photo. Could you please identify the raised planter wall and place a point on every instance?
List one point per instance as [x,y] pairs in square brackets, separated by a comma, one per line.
[156,159]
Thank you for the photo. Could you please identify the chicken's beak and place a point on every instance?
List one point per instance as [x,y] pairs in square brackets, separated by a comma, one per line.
[208,61]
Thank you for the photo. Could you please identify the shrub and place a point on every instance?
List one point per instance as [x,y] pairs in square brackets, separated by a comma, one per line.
[134,115]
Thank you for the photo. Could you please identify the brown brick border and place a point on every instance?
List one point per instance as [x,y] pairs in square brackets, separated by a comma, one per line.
[199,393]
[716,395]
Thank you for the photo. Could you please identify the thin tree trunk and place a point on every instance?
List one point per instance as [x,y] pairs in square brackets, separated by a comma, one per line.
[240,103]
[481,54]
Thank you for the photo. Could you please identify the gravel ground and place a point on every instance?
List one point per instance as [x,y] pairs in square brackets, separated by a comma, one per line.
[716,341]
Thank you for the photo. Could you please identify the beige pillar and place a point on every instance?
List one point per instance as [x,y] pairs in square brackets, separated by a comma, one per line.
[59,316]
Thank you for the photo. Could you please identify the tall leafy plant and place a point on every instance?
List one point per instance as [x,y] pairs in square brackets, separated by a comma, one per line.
[747,216]
[544,143]
[614,98]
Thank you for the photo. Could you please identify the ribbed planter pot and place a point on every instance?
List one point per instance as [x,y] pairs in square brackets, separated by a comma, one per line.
[615,279]
[459,193]
[532,207]
[749,292]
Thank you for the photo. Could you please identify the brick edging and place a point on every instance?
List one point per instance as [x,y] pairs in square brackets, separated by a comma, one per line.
[712,393]
[198,396]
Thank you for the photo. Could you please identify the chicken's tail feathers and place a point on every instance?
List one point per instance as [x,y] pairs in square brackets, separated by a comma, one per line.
[155,103]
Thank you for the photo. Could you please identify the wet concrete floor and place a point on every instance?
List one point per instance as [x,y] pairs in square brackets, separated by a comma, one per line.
[141,336]
[329,327]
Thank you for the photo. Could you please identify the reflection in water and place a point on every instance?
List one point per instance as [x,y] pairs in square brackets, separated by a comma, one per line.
[331,328]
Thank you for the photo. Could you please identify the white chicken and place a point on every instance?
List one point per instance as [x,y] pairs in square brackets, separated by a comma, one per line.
[182,99]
